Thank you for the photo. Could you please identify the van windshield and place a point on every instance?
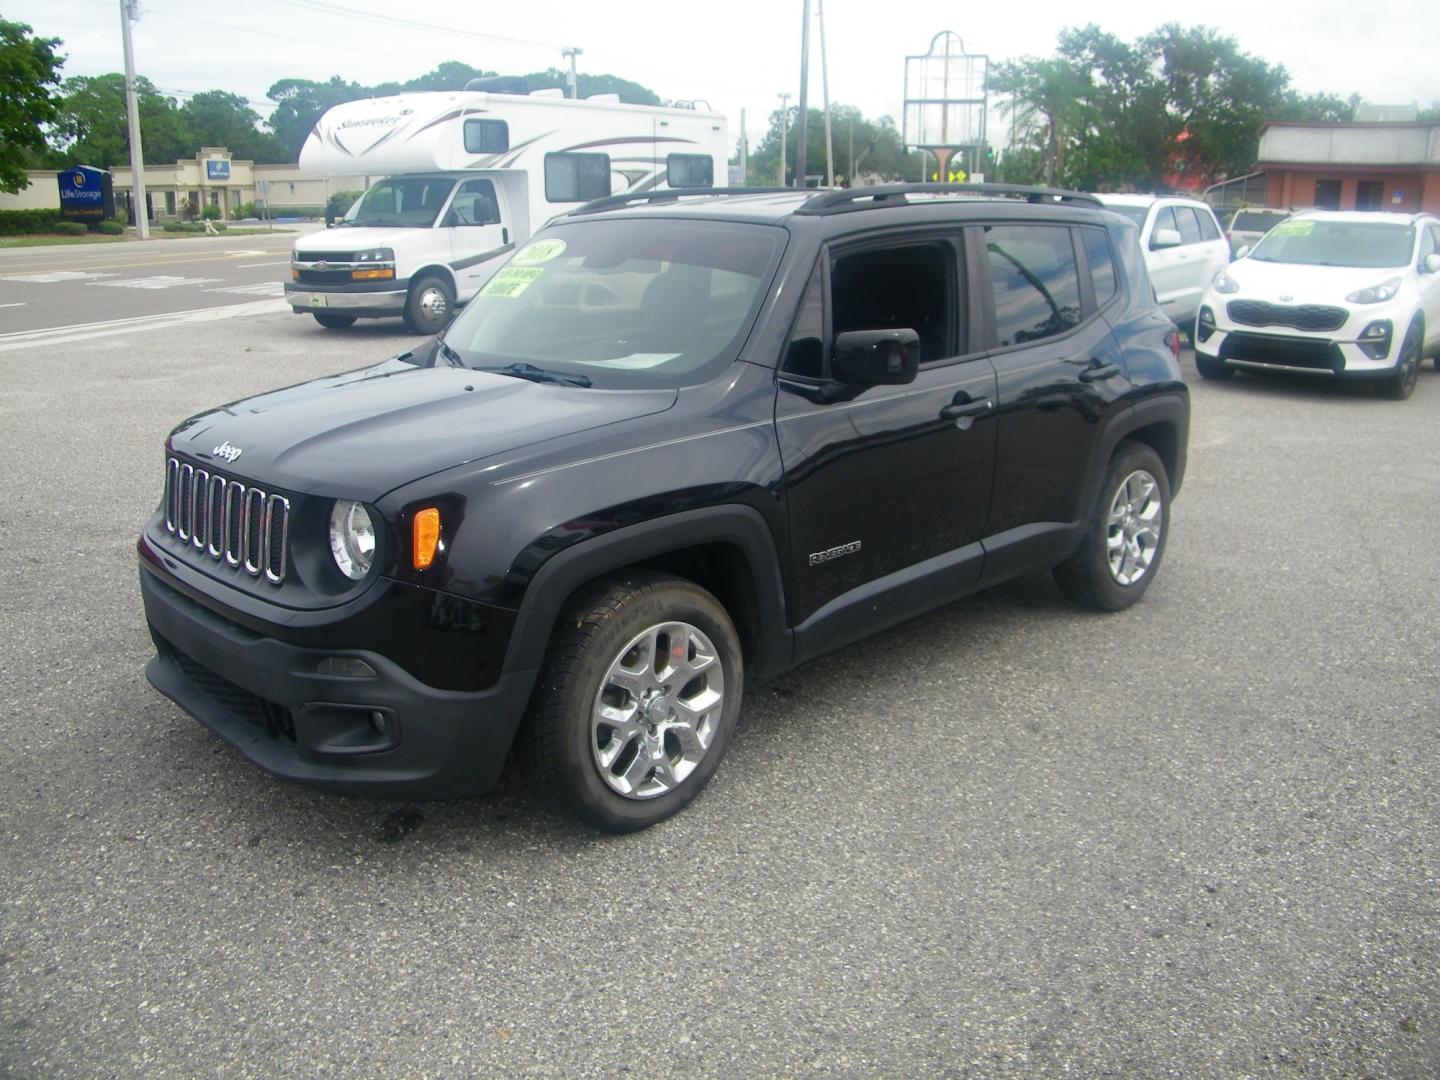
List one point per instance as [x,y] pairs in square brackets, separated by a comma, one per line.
[408,202]
[622,302]
[1315,242]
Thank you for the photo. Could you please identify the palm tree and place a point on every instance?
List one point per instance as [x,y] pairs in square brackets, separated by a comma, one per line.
[1046,107]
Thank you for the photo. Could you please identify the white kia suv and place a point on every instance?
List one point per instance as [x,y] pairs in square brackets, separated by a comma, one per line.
[1184,248]
[1340,294]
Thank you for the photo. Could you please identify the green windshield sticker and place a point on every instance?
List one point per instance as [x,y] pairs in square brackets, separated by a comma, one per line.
[541,251]
[1294,228]
[511,282]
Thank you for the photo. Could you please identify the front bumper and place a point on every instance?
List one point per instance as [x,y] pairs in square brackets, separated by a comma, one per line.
[359,299]
[1280,348]
[388,734]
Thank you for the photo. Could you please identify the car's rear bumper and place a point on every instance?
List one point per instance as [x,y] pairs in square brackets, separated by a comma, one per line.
[386,734]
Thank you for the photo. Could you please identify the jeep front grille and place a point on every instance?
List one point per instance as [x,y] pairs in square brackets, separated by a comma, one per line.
[226,519]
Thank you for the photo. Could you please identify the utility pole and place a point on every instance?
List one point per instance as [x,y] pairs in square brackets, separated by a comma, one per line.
[784,130]
[825,91]
[572,53]
[804,108]
[129,14]
[744,151]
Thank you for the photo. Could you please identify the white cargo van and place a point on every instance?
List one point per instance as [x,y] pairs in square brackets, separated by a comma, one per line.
[469,176]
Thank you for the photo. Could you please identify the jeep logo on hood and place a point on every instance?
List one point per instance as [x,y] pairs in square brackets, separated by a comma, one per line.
[228,452]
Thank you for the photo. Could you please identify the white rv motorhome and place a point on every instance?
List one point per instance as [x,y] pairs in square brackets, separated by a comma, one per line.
[469,176]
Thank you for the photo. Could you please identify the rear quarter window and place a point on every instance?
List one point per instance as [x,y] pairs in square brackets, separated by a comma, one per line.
[1102,264]
[1035,279]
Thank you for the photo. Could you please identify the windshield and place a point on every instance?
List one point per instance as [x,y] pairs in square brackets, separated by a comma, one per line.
[624,303]
[401,202]
[1256,221]
[1313,242]
[1134,213]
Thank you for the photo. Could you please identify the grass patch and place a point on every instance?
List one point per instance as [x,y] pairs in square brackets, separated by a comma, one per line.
[49,240]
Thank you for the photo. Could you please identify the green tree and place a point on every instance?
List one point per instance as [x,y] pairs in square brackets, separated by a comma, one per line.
[877,147]
[299,104]
[29,66]
[1047,106]
[90,126]
[217,118]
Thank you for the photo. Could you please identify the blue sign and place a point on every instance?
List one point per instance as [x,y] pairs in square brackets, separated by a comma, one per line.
[217,170]
[85,194]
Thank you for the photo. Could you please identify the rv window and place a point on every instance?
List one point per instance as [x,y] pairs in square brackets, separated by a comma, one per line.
[576,177]
[486,136]
[690,170]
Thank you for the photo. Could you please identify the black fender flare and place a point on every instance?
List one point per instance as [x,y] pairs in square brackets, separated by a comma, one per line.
[742,527]
[1169,410]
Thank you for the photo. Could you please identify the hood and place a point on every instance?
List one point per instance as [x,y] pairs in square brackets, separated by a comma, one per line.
[1302,284]
[348,238]
[363,433]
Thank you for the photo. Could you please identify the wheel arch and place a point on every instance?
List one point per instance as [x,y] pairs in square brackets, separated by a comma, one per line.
[439,270]
[727,550]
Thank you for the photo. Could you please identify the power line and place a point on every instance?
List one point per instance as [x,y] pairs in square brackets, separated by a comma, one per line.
[349,12]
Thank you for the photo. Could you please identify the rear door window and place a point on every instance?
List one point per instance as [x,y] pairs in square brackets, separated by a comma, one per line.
[1208,229]
[1035,279]
[1188,225]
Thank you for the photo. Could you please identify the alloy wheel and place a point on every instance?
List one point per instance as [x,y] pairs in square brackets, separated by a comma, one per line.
[1133,534]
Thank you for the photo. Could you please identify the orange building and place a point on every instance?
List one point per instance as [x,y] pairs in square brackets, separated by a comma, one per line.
[1357,166]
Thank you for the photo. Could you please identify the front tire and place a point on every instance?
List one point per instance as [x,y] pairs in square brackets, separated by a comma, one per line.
[333,322]
[1401,384]
[1124,535]
[430,305]
[637,702]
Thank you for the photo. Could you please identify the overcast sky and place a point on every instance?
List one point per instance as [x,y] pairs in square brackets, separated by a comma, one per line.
[739,54]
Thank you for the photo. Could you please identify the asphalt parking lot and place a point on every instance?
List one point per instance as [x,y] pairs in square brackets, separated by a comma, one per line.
[1009,839]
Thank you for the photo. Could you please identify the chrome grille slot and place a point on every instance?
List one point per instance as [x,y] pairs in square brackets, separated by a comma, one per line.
[215,517]
[224,519]
[254,531]
[187,483]
[199,507]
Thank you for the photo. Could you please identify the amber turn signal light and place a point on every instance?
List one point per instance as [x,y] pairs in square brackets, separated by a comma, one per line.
[371,275]
[427,537]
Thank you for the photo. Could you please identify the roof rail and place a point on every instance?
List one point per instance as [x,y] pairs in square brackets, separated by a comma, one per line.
[613,202]
[848,199]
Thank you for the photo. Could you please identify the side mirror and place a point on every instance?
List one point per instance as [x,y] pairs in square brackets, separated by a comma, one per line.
[1164,238]
[1242,251]
[1431,263]
[876,357]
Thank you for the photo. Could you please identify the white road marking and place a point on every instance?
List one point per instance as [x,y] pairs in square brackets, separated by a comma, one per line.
[159,281]
[59,335]
[13,305]
[256,266]
[263,288]
[245,252]
[52,276]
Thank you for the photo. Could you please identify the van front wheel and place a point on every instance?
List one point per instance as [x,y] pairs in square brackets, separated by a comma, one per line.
[429,306]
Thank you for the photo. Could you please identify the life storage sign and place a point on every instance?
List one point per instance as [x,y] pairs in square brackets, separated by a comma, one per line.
[85,194]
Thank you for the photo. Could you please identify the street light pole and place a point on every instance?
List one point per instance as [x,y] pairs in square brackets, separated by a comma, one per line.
[128,14]
[572,53]
[784,130]
[804,108]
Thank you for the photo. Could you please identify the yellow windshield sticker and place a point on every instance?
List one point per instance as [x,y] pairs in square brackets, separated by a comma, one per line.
[511,282]
[541,251]
[1294,228]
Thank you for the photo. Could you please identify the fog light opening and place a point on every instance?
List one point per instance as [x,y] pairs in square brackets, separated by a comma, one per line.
[345,666]
[1374,340]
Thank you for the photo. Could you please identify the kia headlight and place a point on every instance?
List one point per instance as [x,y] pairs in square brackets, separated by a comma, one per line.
[375,255]
[352,538]
[1226,284]
[1375,294]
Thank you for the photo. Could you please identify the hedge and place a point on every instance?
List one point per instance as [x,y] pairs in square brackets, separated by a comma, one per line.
[69,228]
[111,227]
[19,222]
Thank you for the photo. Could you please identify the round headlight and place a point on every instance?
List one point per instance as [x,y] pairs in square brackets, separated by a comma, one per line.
[352,538]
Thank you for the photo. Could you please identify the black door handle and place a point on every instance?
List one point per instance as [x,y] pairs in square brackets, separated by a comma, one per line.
[968,408]
[1097,371]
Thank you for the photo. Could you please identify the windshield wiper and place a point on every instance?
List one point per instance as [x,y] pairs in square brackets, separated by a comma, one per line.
[449,353]
[522,370]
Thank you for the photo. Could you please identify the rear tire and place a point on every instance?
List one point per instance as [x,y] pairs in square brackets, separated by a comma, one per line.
[1125,533]
[334,322]
[640,693]
[1401,384]
[1213,369]
[430,305]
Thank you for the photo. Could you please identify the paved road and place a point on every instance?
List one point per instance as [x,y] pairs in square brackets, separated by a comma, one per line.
[1008,839]
[48,288]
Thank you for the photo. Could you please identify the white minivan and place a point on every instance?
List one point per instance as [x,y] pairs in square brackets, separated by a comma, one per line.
[1184,248]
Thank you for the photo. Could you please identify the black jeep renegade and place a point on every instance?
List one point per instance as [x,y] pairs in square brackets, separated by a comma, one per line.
[677,443]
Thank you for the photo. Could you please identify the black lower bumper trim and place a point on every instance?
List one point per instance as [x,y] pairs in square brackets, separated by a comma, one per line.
[268,699]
